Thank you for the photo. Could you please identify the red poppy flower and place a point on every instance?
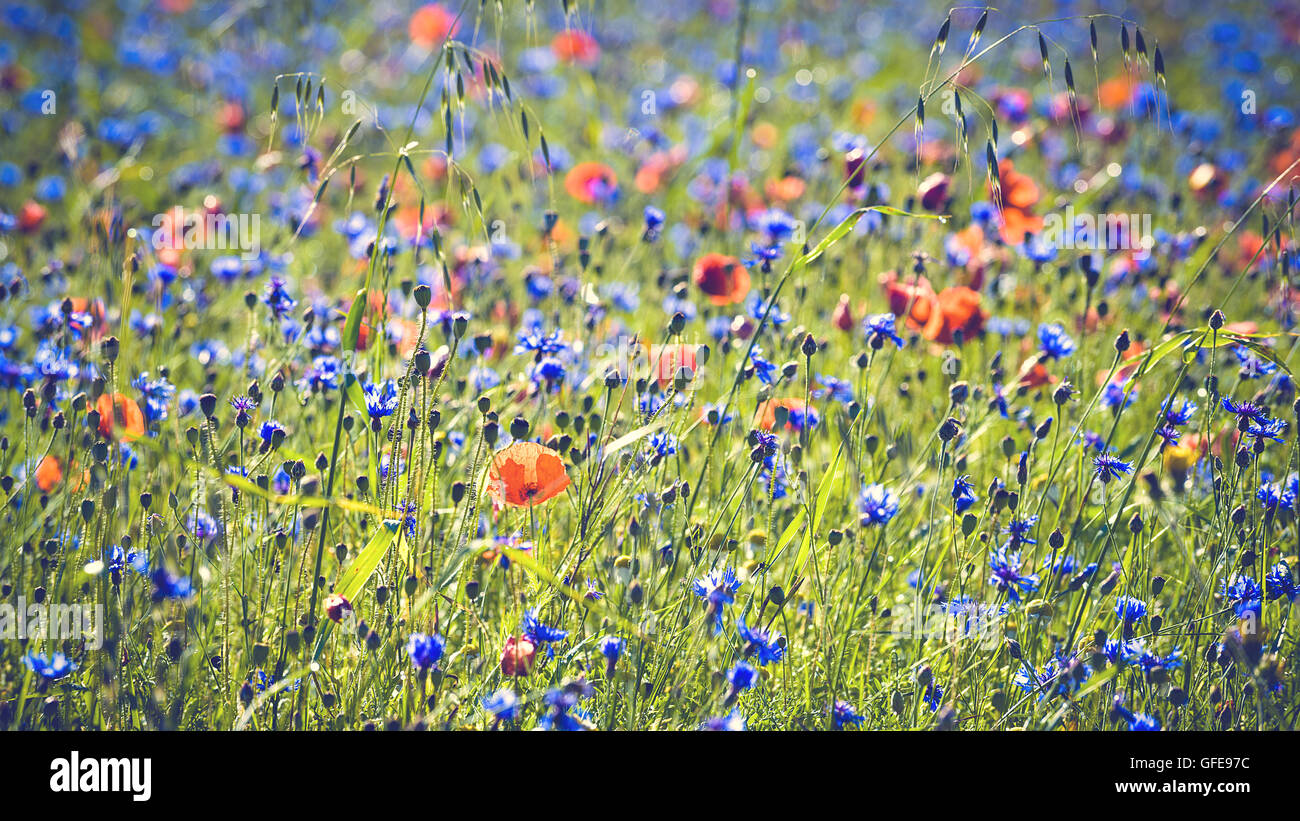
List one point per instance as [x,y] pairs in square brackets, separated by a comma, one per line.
[591,182]
[116,410]
[526,473]
[30,216]
[574,46]
[431,24]
[518,656]
[722,278]
[667,360]
[336,605]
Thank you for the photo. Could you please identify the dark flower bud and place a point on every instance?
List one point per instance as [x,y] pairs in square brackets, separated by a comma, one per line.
[1216,320]
[423,295]
[519,428]
[1122,341]
[809,346]
[949,429]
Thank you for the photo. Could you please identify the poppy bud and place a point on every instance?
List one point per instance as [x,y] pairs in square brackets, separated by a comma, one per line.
[423,295]
[1216,320]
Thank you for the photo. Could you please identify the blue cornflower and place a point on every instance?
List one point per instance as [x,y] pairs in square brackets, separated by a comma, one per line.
[732,722]
[157,394]
[503,704]
[963,493]
[1274,495]
[49,667]
[1243,593]
[381,399]
[323,374]
[881,326]
[534,340]
[843,714]
[1115,396]
[1054,342]
[838,389]
[717,588]
[877,504]
[611,647]
[742,677]
[1018,531]
[764,370]
[548,369]
[1250,410]
[760,644]
[1130,609]
[662,445]
[167,585]
[1138,722]
[272,433]
[277,298]
[1279,582]
[1252,366]
[1107,467]
[539,633]
[425,650]
[1057,677]
[1266,429]
[1182,414]
[803,418]
[1168,435]
[654,220]
[1007,577]
[562,711]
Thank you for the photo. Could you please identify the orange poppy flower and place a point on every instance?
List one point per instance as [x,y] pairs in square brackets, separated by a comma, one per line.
[574,46]
[767,412]
[959,307]
[431,24]
[117,409]
[49,473]
[1019,193]
[526,473]
[591,182]
[786,189]
[722,278]
[936,316]
[1117,92]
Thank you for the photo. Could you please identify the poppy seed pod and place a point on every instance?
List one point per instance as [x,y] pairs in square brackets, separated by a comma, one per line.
[423,295]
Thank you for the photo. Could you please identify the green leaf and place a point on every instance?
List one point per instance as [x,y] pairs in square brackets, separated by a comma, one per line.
[359,572]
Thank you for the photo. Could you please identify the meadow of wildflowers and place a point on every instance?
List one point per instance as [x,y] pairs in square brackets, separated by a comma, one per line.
[748,364]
